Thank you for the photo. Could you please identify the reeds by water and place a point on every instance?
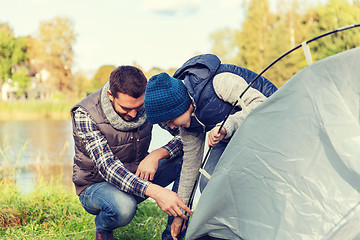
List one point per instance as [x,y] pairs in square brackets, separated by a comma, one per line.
[52,211]
[34,110]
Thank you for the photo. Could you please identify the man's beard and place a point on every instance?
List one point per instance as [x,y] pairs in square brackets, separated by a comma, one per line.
[126,117]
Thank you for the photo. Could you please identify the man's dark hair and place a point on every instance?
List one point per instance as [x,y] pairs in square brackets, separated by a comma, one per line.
[128,80]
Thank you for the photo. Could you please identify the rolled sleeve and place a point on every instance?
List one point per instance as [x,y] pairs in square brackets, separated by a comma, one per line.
[175,145]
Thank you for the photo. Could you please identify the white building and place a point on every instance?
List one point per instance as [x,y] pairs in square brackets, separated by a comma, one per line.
[37,88]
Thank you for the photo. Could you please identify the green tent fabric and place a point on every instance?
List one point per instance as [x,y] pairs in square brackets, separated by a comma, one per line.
[292,170]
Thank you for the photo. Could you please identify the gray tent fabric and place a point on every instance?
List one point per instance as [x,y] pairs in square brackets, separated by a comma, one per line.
[292,170]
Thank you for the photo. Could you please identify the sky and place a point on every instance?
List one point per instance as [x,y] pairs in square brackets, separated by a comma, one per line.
[152,33]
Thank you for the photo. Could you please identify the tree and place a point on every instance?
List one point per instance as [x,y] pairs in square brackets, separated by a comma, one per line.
[13,56]
[224,44]
[102,75]
[265,36]
[154,71]
[7,46]
[54,52]
[286,33]
[21,80]
[252,39]
[80,85]
[335,14]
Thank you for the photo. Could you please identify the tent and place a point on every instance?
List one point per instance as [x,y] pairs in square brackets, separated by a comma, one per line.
[292,170]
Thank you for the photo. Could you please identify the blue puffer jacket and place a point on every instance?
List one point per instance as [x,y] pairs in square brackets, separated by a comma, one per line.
[198,74]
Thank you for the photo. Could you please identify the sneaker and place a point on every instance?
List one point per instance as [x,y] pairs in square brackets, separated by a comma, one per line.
[100,235]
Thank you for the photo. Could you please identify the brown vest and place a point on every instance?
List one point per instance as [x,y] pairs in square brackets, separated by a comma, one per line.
[129,147]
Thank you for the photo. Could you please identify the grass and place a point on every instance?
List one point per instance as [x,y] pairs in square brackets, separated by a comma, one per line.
[34,110]
[51,212]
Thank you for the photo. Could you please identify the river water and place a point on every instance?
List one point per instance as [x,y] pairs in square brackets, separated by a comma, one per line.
[45,149]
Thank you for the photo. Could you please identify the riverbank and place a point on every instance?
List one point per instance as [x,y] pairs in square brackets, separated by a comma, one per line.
[51,212]
[35,110]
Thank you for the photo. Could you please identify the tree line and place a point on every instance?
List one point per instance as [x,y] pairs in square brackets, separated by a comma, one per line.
[262,37]
[24,58]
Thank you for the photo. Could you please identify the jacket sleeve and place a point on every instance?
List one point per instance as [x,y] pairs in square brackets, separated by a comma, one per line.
[193,154]
[229,87]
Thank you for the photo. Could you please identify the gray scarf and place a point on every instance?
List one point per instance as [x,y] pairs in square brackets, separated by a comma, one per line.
[115,120]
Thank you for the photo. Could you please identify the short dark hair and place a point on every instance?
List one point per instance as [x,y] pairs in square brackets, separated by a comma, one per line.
[128,80]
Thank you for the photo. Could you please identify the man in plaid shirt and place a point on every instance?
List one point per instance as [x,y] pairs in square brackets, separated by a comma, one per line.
[113,171]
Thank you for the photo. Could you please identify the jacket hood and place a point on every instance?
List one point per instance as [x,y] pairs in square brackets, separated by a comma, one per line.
[209,61]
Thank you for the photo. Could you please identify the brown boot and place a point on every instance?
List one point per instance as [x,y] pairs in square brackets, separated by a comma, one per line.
[101,235]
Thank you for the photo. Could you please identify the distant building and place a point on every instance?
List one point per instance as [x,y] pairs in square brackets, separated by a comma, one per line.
[37,88]
[8,92]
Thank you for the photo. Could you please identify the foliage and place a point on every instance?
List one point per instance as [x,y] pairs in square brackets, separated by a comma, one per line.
[13,53]
[335,14]
[148,223]
[53,51]
[264,36]
[6,28]
[101,76]
[9,166]
[254,36]
[80,85]
[22,81]
[60,96]
[288,26]
[224,44]
[47,213]
[7,45]
[51,212]
[156,70]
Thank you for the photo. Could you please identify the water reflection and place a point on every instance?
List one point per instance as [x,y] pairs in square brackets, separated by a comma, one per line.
[37,149]
[44,149]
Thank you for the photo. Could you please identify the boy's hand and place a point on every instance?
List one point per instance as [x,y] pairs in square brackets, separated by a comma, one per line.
[214,136]
[175,227]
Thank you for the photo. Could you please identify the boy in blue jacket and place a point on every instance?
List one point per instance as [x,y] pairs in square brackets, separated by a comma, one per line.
[197,99]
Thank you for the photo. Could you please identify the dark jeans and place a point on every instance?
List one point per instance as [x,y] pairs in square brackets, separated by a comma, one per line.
[114,208]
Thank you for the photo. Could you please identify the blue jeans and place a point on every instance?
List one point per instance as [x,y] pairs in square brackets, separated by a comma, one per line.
[114,208]
[212,161]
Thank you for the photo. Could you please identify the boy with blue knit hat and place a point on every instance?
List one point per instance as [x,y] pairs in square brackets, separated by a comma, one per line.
[167,98]
[197,99]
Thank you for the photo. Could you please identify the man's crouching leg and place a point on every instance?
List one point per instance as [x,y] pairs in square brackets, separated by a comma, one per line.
[112,207]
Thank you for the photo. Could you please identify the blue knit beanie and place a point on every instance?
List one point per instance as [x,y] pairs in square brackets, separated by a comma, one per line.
[166,98]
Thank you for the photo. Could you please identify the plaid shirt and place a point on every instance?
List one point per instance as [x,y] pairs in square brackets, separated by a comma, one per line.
[108,165]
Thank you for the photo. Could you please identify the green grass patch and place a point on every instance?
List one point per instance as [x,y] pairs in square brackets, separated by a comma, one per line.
[52,212]
[35,110]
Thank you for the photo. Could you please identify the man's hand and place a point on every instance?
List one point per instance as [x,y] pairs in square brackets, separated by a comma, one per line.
[148,166]
[168,201]
[214,136]
[175,227]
